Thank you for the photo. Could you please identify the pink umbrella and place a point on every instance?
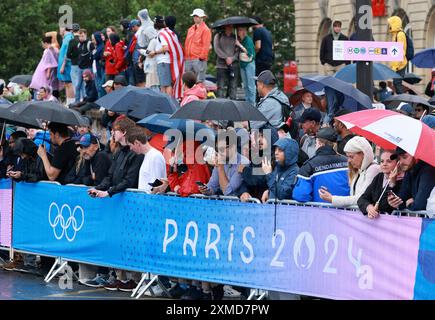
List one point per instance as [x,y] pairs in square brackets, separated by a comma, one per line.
[389,129]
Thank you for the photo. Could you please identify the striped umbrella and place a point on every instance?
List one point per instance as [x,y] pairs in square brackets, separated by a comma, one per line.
[389,129]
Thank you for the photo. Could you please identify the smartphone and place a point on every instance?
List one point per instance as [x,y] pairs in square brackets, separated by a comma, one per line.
[391,193]
[200,184]
[156,183]
[324,188]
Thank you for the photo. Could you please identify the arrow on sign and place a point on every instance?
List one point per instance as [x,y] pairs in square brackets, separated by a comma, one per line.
[395,51]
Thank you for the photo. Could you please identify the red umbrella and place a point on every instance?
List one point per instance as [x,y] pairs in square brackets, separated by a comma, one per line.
[389,129]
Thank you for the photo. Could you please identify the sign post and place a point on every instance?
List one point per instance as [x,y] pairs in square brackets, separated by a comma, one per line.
[364,69]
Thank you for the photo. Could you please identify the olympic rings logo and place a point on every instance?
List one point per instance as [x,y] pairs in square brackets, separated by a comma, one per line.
[64,221]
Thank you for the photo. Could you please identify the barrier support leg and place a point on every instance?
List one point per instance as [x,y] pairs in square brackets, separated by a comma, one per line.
[142,280]
[142,291]
[263,295]
[252,294]
[52,273]
[164,289]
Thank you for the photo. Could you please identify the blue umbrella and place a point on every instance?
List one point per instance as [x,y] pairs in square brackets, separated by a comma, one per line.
[345,93]
[380,72]
[425,58]
[161,122]
[137,102]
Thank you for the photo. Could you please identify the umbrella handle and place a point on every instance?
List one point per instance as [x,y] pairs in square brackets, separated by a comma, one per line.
[3,131]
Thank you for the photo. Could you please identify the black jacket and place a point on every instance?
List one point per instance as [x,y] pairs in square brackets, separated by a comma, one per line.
[85,54]
[417,184]
[374,191]
[9,159]
[99,165]
[73,52]
[123,173]
[326,50]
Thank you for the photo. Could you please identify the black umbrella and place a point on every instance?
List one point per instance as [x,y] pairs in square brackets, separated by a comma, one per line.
[395,100]
[23,79]
[432,101]
[235,21]
[6,116]
[411,78]
[30,111]
[219,109]
[133,98]
[146,110]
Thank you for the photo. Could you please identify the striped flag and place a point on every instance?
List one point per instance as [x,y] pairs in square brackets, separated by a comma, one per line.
[177,60]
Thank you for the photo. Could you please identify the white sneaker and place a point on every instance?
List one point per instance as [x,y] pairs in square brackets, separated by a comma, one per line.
[229,292]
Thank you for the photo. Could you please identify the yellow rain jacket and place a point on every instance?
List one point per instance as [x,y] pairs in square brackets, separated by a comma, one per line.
[398,35]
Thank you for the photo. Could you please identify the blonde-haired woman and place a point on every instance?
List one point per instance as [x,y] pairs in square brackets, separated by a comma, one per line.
[362,170]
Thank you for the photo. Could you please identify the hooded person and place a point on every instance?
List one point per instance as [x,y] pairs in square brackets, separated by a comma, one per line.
[362,170]
[98,57]
[254,179]
[146,31]
[32,168]
[398,35]
[170,22]
[282,178]
[45,74]
[184,183]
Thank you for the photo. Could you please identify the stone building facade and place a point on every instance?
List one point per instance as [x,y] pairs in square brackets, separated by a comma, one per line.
[314,19]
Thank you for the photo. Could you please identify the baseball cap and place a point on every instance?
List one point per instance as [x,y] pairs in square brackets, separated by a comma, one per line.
[267,77]
[159,19]
[109,83]
[134,23]
[311,114]
[327,134]
[198,12]
[75,27]
[87,139]
[120,79]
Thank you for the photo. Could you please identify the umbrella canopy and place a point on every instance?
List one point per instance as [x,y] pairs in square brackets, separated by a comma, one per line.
[23,79]
[352,98]
[135,99]
[394,100]
[432,101]
[411,78]
[235,21]
[161,122]
[6,116]
[30,111]
[380,72]
[219,109]
[386,129]
[296,98]
[425,58]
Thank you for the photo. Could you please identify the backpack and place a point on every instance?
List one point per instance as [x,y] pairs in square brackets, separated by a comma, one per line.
[409,47]
[285,109]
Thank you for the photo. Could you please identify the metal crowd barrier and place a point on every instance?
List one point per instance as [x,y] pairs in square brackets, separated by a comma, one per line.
[259,294]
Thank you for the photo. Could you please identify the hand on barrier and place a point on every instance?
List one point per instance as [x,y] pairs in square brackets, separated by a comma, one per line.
[325,195]
[372,211]
[245,197]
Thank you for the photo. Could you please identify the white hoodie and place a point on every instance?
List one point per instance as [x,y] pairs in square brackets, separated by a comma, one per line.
[369,170]
[146,31]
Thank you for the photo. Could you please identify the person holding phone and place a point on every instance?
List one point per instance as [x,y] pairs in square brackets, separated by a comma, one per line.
[195,177]
[388,182]
[225,178]
[153,166]
[417,184]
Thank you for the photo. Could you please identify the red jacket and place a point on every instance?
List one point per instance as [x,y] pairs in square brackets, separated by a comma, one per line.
[110,66]
[195,172]
[115,62]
